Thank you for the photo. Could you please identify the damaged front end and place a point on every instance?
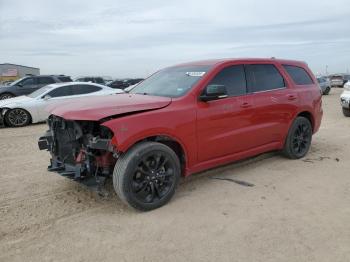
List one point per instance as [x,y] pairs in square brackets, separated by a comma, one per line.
[80,150]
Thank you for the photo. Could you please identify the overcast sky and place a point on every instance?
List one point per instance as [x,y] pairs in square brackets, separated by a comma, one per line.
[134,38]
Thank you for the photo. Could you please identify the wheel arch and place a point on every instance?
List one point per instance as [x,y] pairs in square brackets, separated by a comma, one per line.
[308,115]
[7,92]
[167,140]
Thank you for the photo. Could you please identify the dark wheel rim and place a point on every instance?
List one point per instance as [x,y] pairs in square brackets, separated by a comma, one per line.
[301,139]
[5,97]
[17,117]
[154,177]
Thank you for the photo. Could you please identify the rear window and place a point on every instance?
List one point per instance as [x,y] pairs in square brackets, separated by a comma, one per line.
[85,89]
[299,75]
[45,80]
[65,79]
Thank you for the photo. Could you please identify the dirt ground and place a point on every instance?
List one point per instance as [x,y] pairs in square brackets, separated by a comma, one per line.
[296,211]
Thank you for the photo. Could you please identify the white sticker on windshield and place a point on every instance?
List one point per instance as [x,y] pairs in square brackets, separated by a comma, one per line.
[198,74]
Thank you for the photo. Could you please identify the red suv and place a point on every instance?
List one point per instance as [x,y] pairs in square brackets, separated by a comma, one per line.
[182,120]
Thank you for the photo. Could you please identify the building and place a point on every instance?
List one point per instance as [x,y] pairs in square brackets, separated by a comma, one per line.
[11,72]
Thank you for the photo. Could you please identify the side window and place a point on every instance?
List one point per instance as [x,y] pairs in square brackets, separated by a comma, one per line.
[64,79]
[299,75]
[27,82]
[45,80]
[99,80]
[61,91]
[233,78]
[84,89]
[263,77]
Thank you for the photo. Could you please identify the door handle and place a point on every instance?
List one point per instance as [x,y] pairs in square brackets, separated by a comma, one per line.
[245,105]
[292,97]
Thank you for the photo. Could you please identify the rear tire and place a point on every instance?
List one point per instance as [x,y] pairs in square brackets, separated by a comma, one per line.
[146,176]
[299,139]
[346,112]
[326,92]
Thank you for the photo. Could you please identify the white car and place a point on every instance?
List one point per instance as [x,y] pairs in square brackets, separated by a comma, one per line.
[345,99]
[23,110]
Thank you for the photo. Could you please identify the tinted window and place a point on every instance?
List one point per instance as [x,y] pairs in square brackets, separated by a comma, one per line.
[27,82]
[84,89]
[263,77]
[61,91]
[45,80]
[64,79]
[99,80]
[233,78]
[299,75]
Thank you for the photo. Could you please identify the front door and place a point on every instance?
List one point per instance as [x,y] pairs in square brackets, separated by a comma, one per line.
[26,86]
[223,125]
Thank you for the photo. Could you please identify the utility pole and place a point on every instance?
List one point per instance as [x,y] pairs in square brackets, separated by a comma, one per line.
[326,70]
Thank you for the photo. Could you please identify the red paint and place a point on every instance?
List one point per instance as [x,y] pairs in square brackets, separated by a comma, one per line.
[99,107]
[210,133]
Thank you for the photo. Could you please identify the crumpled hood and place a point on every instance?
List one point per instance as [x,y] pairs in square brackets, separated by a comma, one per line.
[14,100]
[97,108]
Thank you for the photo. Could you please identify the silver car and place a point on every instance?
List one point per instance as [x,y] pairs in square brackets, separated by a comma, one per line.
[325,84]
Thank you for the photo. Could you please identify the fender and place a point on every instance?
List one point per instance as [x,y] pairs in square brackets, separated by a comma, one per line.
[129,130]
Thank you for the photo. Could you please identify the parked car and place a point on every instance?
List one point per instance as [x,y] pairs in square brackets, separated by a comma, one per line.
[182,120]
[124,83]
[325,84]
[91,79]
[29,84]
[345,100]
[23,110]
[121,84]
[338,80]
[134,81]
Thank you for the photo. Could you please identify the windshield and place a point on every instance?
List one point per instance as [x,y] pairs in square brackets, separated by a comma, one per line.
[40,91]
[172,81]
[17,81]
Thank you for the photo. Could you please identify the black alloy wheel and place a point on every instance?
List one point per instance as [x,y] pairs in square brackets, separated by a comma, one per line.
[153,177]
[146,176]
[299,138]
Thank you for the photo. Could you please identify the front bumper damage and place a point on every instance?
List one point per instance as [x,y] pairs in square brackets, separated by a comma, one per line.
[79,155]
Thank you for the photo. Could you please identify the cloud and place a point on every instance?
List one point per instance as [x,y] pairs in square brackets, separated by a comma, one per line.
[134,38]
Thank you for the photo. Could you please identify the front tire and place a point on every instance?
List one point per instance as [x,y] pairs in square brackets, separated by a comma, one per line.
[17,117]
[299,139]
[346,112]
[146,176]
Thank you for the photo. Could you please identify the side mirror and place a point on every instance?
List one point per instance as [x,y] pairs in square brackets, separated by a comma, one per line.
[20,84]
[46,97]
[213,92]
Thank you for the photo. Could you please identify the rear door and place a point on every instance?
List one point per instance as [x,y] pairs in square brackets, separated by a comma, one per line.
[274,102]
[44,81]
[223,125]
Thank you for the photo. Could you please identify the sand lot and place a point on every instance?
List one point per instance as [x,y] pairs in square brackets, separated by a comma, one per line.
[296,211]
